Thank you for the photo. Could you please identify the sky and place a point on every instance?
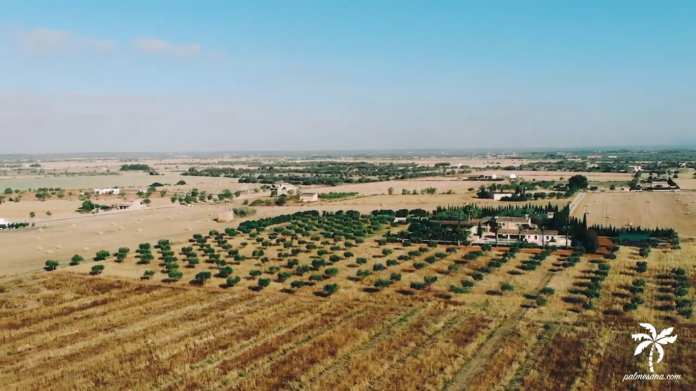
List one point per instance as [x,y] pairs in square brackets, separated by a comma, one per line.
[214,75]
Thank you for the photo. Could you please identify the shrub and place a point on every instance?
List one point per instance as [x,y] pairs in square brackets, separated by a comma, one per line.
[395,277]
[331,272]
[453,267]
[458,290]
[148,274]
[382,283]
[361,261]
[429,280]
[255,273]
[541,301]
[547,291]
[392,262]
[316,277]
[468,283]
[378,267]
[477,276]
[507,287]
[297,284]
[175,275]
[363,273]
[418,286]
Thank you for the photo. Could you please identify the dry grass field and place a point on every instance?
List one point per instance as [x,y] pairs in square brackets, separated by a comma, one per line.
[66,330]
[70,330]
[645,209]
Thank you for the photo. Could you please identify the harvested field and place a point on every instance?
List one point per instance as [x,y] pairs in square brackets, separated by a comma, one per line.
[646,209]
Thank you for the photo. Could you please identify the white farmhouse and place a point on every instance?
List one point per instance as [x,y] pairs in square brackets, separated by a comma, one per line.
[107,191]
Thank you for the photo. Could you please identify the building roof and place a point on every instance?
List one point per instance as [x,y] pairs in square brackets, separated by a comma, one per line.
[307,194]
[506,219]
[527,232]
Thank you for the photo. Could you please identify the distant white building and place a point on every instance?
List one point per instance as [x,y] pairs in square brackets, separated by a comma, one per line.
[512,176]
[309,197]
[634,168]
[284,188]
[107,191]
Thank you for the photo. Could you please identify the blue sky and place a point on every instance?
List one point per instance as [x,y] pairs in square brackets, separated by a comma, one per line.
[270,75]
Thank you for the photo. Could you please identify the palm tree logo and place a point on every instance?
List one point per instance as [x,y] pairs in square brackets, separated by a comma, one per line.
[655,340]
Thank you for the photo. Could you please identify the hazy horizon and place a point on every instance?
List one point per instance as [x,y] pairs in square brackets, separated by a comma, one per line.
[109,77]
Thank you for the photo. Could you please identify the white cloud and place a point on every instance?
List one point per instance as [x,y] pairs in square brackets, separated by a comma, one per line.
[157,46]
[44,40]
[97,45]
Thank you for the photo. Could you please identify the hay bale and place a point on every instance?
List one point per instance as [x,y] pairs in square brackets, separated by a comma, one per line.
[139,230]
[40,248]
[85,248]
[38,238]
[49,251]
[74,225]
[100,233]
[59,246]
[40,230]
[169,218]
[120,228]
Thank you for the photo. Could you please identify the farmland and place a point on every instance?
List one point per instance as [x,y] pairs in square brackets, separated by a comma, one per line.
[645,209]
[507,325]
[313,297]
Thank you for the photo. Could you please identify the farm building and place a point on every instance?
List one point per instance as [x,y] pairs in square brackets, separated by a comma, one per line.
[499,196]
[309,197]
[634,168]
[284,188]
[512,176]
[131,205]
[107,191]
[225,216]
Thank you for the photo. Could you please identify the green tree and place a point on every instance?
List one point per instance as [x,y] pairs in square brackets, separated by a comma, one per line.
[264,282]
[175,275]
[507,287]
[76,259]
[52,265]
[232,281]
[32,215]
[382,283]
[255,273]
[331,272]
[284,276]
[330,289]
[202,277]
[148,274]
[297,284]
[97,269]
[101,255]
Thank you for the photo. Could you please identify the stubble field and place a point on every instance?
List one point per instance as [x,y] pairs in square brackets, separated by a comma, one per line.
[67,330]
[646,209]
